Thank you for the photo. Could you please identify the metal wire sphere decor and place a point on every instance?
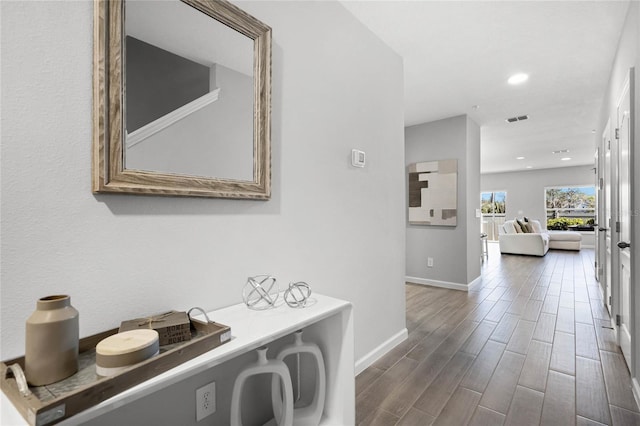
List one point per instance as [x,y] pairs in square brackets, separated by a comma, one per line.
[297,295]
[260,292]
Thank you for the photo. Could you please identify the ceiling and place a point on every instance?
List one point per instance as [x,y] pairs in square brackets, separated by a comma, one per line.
[459,54]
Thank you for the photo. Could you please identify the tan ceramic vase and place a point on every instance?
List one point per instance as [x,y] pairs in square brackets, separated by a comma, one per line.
[52,338]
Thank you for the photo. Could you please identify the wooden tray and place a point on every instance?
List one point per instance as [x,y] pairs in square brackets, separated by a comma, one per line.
[53,403]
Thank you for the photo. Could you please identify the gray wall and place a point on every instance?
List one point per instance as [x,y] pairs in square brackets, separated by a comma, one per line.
[339,228]
[216,140]
[525,190]
[158,82]
[450,247]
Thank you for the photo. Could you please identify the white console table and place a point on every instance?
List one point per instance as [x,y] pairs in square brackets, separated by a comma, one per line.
[329,322]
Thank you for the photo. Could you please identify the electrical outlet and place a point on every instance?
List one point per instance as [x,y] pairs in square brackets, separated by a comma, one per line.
[205,401]
[430,262]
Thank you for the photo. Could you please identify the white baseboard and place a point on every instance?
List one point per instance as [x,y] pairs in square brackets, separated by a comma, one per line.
[473,284]
[381,350]
[443,284]
[635,387]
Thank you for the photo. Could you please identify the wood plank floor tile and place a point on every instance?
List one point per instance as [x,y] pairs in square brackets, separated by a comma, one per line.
[554,289]
[496,293]
[606,336]
[591,394]
[566,300]
[565,320]
[481,310]
[563,354]
[505,328]
[581,294]
[583,313]
[622,417]
[518,305]
[586,342]
[532,310]
[436,395]
[539,293]
[399,398]
[550,305]
[599,310]
[502,385]
[404,395]
[416,417]
[366,378]
[545,328]
[483,367]
[371,398]
[526,408]
[536,366]
[485,417]
[498,310]
[478,338]
[549,309]
[581,421]
[559,400]
[521,337]
[380,418]
[510,294]
[617,381]
[459,409]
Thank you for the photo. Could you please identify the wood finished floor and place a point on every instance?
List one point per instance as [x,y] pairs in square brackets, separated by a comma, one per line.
[531,345]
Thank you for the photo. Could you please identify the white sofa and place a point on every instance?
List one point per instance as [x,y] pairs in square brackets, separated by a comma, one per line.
[536,243]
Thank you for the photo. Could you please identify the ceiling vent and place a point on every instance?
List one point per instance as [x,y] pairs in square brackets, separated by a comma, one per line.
[518,118]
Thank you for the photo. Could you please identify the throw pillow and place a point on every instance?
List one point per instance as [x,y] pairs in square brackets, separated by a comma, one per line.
[522,226]
[529,228]
[537,228]
[516,225]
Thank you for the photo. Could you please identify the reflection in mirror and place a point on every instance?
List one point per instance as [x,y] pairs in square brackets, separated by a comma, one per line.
[182,99]
[189,94]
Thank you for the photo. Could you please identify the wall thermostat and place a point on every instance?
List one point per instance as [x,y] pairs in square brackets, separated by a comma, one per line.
[357,158]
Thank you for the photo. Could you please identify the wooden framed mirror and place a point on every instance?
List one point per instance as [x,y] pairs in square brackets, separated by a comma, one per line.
[182,99]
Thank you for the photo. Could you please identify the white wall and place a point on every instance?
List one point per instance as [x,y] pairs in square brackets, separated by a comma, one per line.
[339,228]
[525,189]
[450,247]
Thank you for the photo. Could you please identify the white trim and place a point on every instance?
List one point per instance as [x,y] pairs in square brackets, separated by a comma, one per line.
[473,284]
[167,120]
[381,350]
[443,284]
[635,387]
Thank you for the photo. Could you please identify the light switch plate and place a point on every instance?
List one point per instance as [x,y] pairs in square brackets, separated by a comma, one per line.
[358,158]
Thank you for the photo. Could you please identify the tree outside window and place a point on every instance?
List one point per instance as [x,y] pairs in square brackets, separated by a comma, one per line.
[570,207]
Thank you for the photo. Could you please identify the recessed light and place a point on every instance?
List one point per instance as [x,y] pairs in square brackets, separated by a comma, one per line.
[529,167]
[565,158]
[476,107]
[518,78]
[519,158]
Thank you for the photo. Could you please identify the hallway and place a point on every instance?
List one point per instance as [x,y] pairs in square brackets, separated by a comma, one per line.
[531,345]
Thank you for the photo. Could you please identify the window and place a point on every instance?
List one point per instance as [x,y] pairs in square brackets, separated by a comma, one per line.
[493,206]
[568,207]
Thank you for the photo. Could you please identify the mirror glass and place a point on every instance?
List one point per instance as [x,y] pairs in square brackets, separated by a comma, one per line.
[188,94]
[182,99]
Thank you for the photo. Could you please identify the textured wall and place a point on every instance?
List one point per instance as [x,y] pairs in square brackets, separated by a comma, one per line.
[335,87]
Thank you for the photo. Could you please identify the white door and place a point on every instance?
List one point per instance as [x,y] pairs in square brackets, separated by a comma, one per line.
[604,226]
[625,328]
[599,191]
